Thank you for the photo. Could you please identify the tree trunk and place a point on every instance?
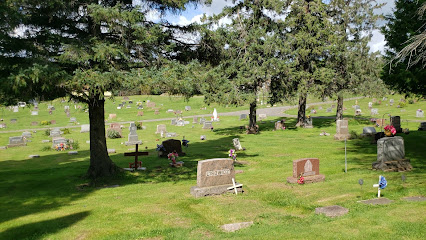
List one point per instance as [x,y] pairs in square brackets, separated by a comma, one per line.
[301,114]
[252,128]
[339,111]
[100,163]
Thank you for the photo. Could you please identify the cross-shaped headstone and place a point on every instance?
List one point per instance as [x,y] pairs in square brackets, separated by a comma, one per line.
[235,186]
[136,154]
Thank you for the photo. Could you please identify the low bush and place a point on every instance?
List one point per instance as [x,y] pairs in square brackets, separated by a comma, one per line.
[111,133]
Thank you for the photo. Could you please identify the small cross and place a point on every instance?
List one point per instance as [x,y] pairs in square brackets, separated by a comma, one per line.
[136,154]
[235,186]
[378,187]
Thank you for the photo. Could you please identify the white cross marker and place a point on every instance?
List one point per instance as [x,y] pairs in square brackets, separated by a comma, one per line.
[235,186]
[377,186]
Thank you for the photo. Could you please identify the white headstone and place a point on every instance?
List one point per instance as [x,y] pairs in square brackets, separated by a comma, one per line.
[215,115]
[34,113]
[420,113]
[85,128]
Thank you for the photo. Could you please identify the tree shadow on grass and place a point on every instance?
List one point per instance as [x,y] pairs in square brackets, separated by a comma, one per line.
[39,230]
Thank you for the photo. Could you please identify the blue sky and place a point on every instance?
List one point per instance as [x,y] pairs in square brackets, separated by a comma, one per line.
[194,12]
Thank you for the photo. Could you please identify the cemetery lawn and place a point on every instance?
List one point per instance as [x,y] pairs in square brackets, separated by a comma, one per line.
[47,198]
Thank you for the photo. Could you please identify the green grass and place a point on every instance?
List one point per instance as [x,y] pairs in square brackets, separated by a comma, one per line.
[46,197]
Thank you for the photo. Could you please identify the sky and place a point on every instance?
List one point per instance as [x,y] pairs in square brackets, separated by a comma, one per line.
[193,13]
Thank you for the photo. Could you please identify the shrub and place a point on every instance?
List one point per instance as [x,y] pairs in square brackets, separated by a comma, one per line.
[75,145]
[402,104]
[111,133]
[354,135]
[45,123]
[66,131]
[46,148]
[410,101]
[47,132]
[138,125]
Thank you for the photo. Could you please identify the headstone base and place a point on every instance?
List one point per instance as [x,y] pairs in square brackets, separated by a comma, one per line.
[393,166]
[133,143]
[16,145]
[214,190]
[342,136]
[308,179]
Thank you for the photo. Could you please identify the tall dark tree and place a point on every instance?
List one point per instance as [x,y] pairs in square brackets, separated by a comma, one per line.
[82,49]
[244,51]
[403,24]
[306,40]
[353,64]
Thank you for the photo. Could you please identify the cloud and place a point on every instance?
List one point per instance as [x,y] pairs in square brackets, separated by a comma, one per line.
[216,7]
[377,42]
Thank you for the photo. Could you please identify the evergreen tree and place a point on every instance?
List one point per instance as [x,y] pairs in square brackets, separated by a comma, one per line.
[401,26]
[306,38]
[241,54]
[82,49]
[353,23]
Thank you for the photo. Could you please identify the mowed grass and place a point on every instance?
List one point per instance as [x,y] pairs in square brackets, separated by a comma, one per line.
[47,198]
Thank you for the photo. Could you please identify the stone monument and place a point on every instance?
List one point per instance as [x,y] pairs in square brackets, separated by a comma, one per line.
[308,168]
[214,177]
[342,131]
[391,155]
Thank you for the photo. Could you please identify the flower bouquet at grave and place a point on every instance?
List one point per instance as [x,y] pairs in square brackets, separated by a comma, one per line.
[389,130]
[61,147]
[301,180]
[232,154]
[173,157]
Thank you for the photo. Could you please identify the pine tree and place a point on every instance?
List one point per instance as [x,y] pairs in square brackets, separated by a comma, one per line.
[241,54]
[403,24]
[82,49]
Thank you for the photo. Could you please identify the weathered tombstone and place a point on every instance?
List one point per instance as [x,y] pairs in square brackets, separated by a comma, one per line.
[22,104]
[34,123]
[112,116]
[150,104]
[133,136]
[308,168]
[358,112]
[171,134]
[395,121]
[126,98]
[202,120]
[13,120]
[178,112]
[170,111]
[34,113]
[214,177]
[243,116]
[342,131]
[207,125]
[391,101]
[16,141]
[68,114]
[370,104]
[26,135]
[328,110]
[161,128]
[128,106]
[374,111]
[73,119]
[262,116]
[85,128]
[156,112]
[368,131]
[308,122]
[180,123]
[237,144]
[58,140]
[374,100]
[56,132]
[170,146]
[3,125]
[420,113]
[66,107]
[173,121]
[357,107]
[140,114]
[391,155]
[15,109]
[52,122]
[195,120]
[187,108]
[384,99]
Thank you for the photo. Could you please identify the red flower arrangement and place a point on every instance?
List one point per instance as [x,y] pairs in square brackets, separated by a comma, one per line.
[173,156]
[301,180]
[390,130]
